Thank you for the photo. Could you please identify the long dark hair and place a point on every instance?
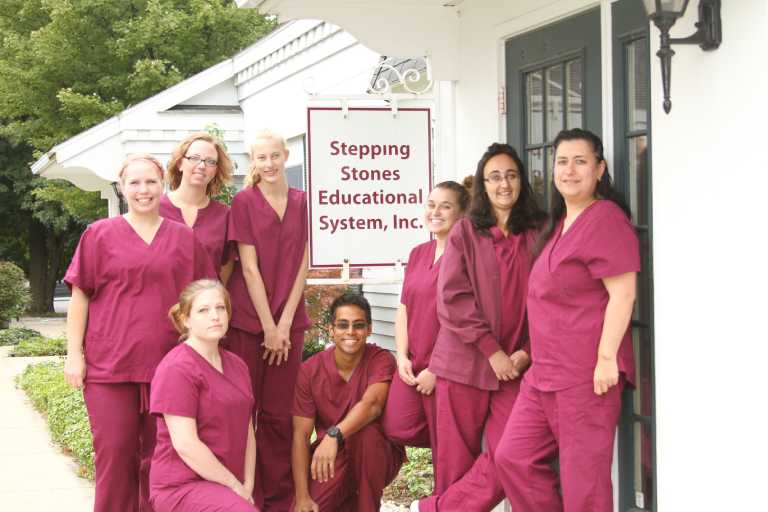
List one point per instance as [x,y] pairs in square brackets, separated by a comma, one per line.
[604,189]
[526,213]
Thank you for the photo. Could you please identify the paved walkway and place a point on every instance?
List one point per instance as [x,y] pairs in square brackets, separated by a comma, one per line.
[34,474]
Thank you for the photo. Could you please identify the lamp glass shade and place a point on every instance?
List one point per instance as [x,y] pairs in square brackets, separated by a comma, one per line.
[669,7]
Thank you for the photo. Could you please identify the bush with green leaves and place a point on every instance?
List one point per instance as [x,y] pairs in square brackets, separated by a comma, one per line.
[40,346]
[15,335]
[64,410]
[14,296]
[415,479]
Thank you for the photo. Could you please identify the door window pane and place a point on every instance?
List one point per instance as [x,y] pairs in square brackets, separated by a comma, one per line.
[537,174]
[574,92]
[638,179]
[534,104]
[637,82]
[554,81]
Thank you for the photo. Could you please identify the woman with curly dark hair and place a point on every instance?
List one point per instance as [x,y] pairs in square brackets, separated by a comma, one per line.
[482,346]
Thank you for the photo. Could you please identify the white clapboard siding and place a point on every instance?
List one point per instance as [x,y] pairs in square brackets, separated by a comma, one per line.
[384,299]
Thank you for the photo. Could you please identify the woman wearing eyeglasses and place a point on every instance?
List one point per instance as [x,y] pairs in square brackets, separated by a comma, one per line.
[268,222]
[199,167]
[482,346]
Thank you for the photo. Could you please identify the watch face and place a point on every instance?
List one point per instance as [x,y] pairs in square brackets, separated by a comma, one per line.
[333,431]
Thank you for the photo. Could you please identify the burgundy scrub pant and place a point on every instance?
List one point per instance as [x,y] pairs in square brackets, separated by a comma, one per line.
[575,424]
[409,416]
[364,467]
[123,442]
[200,496]
[477,488]
[273,388]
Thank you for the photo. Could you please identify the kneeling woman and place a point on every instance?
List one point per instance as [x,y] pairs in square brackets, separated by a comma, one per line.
[205,457]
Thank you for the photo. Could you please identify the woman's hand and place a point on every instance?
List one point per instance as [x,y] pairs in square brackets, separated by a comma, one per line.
[241,491]
[276,344]
[502,366]
[74,370]
[425,382]
[521,361]
[305,504]
[324,459]
[405,370]
[606,374]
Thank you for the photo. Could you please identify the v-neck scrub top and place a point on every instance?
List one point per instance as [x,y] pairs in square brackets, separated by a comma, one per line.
[131,285]
[210,227]
[567,298]
[186,384]
[279,248]
[322,394]
[419,296]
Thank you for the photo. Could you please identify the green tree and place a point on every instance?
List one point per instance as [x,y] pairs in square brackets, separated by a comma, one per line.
[66,65]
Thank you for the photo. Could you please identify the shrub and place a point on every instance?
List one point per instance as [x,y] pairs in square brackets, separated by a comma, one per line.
[14,335]
[64,409]
[40,346]
[415,479]
[14,296]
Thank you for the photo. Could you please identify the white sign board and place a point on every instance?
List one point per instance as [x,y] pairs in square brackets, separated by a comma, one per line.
[369,175]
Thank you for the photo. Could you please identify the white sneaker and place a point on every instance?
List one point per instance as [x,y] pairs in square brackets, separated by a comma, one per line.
[414,506]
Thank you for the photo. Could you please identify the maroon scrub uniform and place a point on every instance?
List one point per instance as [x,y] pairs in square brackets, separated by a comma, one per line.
[558,412]
[368,461]
[409,417]
[221,404]
[280,249]
[467,412]
[210,227]
[130,285]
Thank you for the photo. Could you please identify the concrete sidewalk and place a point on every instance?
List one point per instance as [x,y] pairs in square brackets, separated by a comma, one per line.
[34,474]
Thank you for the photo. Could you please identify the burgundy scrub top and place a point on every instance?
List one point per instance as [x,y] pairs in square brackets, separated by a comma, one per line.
[322,394]
[131,286]
[419,296]
[221,403]
[210,227]
[279,248]
[567,298]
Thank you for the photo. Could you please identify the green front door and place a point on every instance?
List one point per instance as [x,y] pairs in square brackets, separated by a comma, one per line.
[553,82]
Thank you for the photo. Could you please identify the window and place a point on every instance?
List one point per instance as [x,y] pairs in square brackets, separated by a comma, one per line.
[554,98]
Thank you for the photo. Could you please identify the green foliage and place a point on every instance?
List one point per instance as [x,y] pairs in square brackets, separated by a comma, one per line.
[40,346]
[16,335]
[82,61]
[62,206]
[64,409]
[14,296]
[415,479]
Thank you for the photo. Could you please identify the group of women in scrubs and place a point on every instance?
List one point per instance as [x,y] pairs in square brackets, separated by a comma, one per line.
[128,271]
[512,335]
[520,346]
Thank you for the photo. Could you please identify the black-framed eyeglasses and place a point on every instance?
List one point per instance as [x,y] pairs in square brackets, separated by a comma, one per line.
[496,177]
[343,325]
[210,162]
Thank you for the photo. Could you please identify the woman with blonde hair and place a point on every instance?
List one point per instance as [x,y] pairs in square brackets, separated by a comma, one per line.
[268,222]
[197,171]
[205,458]
[126,272]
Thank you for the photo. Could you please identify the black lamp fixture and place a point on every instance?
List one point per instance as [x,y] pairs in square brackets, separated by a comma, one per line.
[708,35]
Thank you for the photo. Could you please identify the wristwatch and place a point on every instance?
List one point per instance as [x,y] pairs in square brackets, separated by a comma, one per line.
[334,432]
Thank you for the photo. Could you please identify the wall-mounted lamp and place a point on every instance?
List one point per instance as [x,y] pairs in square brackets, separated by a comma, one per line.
[708,35]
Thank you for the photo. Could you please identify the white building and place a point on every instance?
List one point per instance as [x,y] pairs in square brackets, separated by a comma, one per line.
[691,436]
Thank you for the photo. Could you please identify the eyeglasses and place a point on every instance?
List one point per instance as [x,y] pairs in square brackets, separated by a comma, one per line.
[210,162]
[343,325]
[496,177]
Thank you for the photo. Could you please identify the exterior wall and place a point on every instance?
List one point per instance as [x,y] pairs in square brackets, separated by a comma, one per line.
[710,266]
